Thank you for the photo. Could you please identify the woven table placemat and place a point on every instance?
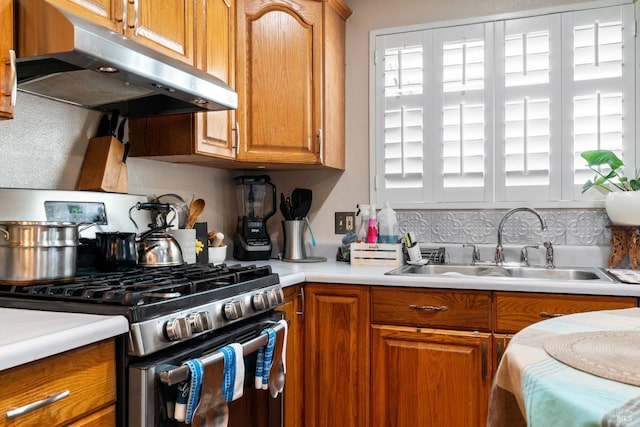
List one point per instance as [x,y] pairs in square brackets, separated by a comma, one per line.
[614,355]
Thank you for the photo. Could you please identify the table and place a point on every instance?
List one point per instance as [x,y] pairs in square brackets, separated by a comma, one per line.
[533,389]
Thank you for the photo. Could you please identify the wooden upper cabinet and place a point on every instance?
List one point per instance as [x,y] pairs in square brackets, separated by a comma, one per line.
[216,55]
[7,60]
[198,138]
[106,13]
[166,26]
[283,65]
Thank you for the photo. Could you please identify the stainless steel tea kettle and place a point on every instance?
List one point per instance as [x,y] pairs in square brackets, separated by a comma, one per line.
[156,247]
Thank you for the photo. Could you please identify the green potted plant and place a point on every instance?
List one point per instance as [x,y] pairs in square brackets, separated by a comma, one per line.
[623,197]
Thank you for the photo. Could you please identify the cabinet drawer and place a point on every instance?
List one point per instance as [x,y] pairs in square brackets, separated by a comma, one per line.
[517,311]
[434,308]
[88,373]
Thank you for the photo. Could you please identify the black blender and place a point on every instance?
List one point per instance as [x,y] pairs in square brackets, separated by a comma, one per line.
[256,198]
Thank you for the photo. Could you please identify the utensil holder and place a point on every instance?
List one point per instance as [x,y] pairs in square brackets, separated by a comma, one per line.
[293,239]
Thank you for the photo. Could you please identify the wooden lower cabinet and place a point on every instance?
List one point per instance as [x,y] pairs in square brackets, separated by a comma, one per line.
[514,311]
[429,377]
[87,373]
[337,323]
[293,394]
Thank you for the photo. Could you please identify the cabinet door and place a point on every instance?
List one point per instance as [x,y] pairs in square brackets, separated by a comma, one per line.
[216,55]
[279,80]
[106,13]
[337,356]
[293,395]
[7,64]
[429,377]
[166,26]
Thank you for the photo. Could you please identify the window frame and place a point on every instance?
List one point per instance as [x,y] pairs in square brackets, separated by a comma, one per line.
[590,199]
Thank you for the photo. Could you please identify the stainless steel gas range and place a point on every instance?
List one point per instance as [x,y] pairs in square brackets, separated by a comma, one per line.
[176,314]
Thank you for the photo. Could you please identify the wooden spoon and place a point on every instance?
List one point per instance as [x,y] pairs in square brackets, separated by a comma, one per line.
[195,210]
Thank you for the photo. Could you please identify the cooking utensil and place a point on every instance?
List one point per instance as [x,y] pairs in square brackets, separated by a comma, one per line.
[116,251]
[313,238]
[33,252]
[301,202]
[195,210]
[276,374]
[284,208]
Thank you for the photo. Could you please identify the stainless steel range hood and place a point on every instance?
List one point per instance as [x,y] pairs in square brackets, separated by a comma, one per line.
[64,57]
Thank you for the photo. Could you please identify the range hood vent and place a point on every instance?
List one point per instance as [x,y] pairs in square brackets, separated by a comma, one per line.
[67,58]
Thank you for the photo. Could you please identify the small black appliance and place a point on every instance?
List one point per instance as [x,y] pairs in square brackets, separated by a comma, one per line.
[256,198]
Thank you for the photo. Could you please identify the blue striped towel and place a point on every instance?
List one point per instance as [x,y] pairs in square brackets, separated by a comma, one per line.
[265,358]
[233,378]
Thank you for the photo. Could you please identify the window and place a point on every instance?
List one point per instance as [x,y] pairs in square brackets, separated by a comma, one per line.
[499,110]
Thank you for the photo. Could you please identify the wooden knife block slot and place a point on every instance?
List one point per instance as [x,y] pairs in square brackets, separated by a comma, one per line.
[103,168]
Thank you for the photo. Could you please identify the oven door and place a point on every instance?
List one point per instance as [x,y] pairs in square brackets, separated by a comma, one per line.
[153,382]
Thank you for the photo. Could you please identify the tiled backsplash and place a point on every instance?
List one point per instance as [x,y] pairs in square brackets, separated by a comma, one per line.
[574,227]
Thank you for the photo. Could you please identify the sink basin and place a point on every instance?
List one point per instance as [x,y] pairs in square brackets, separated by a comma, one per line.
[589,274]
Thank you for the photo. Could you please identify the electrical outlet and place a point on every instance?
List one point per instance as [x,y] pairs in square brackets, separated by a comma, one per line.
[345,222]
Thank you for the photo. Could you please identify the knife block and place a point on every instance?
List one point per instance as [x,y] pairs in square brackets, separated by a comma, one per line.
[103,168]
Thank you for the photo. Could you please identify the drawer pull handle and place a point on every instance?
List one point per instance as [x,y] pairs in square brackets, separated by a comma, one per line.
[52,398]
[547,315]
[429,308]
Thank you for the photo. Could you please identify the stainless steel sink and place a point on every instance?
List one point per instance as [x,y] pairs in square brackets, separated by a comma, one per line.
[589,274]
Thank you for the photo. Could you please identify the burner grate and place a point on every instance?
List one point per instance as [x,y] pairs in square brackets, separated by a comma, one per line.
[144,286]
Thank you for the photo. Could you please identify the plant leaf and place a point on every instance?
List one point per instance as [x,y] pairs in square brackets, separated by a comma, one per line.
[602,157]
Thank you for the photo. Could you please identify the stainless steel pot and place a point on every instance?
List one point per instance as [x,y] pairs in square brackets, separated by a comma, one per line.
[33,252]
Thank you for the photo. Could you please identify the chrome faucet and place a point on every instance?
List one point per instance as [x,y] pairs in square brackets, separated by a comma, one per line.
[499,258]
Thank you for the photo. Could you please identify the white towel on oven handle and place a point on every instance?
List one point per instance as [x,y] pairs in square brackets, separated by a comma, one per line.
[234,371]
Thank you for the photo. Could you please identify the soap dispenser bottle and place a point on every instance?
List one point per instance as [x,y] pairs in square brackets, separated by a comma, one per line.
[372,230]
[388,230]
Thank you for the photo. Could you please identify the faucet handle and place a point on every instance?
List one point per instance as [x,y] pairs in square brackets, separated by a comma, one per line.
[549,255]
[475,253]
[524,258]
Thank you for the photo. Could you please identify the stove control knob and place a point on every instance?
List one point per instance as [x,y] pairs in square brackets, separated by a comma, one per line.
[232,310]
[260,301]
[275,298]
[199,322]
[177,329]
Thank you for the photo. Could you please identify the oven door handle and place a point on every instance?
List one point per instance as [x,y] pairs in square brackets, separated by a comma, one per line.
[181,373]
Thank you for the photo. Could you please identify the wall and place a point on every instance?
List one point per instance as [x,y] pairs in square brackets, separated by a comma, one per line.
[44,145]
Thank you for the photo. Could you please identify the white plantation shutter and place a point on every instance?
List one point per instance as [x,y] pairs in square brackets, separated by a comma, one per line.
[463,102]
[501,110]
[528,109]
[599,82]
[403,68]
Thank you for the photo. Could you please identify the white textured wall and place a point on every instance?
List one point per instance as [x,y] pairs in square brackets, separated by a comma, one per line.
[44,146]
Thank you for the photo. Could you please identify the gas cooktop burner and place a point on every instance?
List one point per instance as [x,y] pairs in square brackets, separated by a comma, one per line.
[141,294]
[136,287]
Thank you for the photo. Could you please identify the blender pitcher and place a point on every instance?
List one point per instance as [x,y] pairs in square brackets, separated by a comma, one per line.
[256,200]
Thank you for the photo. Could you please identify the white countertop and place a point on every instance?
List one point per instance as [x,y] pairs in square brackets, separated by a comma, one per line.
[332,271]
[32,335]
